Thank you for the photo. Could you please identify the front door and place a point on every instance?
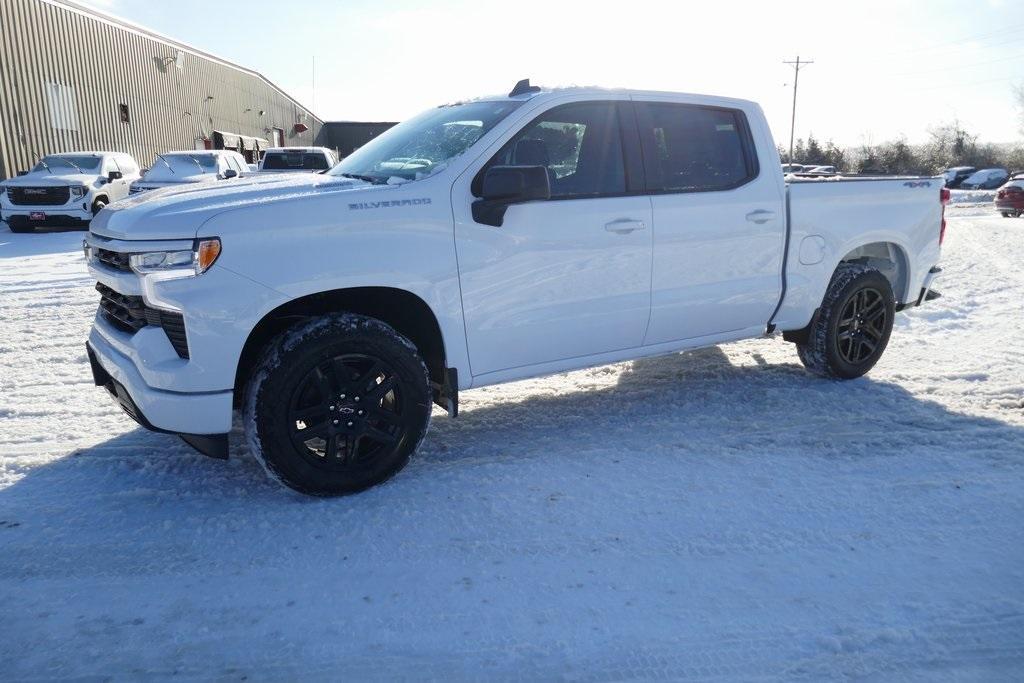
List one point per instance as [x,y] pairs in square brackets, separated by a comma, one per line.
[567,277]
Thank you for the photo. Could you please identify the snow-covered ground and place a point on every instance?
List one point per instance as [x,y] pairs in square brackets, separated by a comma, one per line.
[711,515]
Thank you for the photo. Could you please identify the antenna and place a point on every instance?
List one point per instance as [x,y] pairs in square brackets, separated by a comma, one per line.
[523,87]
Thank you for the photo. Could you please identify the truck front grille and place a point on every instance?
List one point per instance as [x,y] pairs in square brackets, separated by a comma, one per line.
[39,196]
[113,259]
[130,314]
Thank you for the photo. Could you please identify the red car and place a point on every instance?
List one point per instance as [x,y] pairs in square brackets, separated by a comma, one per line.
[1010,198]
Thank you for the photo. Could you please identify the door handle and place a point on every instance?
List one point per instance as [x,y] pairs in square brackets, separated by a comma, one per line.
[760,216]
[624,226]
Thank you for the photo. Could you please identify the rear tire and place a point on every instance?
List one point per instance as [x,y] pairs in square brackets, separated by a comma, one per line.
[850,331]
[1006,214]
[337,404]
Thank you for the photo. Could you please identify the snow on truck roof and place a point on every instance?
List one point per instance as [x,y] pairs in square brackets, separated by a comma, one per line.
[538,92]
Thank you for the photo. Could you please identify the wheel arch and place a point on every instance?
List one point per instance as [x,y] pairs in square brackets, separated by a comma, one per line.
[890,258]
[406,312]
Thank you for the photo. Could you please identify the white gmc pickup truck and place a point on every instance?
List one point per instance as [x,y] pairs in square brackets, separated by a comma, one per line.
[485,242]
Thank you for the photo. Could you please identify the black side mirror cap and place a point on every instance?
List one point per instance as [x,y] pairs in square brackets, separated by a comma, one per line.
[114,175]
[21,173]
[503,186]
[230,173]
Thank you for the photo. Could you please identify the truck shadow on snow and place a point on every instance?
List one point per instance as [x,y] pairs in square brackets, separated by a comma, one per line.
[679,411]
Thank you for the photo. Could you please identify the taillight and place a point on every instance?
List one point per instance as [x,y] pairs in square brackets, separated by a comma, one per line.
[944,196]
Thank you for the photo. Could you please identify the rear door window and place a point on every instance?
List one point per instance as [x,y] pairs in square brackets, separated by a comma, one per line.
[690,148]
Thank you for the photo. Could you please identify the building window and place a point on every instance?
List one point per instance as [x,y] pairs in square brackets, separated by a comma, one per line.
[61,101]
[123,112]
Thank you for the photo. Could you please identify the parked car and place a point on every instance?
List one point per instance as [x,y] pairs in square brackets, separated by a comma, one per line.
[66,189]
[297,159]
[985,179]
[1009,199]
[334,308]
[956,175]
[822,170]
[793,168]
[191,167]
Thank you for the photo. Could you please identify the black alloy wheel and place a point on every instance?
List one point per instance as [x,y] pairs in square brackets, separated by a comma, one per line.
[345,410]
[862,325]
[337,404]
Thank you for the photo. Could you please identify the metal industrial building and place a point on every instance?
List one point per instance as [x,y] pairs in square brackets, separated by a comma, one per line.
[75,79]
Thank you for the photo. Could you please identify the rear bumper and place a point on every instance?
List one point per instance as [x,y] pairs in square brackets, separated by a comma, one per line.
[927,293]
[202,420]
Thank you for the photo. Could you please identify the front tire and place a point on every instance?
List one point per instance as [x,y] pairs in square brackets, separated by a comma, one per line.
[850,331]
[337,404]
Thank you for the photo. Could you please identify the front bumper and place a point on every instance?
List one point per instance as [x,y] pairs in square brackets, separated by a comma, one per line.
[163,411]
[56,217]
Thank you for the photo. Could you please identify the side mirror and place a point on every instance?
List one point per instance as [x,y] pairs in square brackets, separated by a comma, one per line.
[506,185]
[230,173]
[114,175]
[21,173]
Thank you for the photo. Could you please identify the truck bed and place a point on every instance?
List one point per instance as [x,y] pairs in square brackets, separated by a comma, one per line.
[899,218]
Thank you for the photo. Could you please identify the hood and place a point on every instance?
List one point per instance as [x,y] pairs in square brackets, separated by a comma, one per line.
[44,179]
[182,180]
[178,211]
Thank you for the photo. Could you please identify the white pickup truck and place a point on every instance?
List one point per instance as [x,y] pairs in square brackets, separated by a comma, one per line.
[66,189]
[485,242]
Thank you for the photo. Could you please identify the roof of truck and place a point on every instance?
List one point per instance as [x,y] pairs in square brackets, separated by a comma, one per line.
[537,92]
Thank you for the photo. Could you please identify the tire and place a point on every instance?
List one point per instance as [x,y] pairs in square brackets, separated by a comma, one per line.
[336,405]
[98,205]
[1006,214]
[842,346]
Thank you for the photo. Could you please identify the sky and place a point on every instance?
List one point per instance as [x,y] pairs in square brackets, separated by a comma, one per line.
[882,69]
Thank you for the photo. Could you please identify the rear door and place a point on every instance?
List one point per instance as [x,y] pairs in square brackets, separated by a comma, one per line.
[719,224]
[567,277]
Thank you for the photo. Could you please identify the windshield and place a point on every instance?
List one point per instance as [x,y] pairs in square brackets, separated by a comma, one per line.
[984,174]
[423,145]
[67,162]
[166,166]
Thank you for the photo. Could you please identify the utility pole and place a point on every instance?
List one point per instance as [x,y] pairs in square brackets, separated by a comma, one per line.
[796,79]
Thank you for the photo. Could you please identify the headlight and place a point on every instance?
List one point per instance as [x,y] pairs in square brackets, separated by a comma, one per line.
[182,263]
[77,191]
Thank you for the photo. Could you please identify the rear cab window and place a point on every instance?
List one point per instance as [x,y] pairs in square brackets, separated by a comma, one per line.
[695,148]
[298,160]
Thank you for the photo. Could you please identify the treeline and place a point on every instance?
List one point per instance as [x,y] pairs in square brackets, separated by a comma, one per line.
[948,145]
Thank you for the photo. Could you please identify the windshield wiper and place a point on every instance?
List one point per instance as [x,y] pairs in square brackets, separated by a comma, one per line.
[376,180]
[192,157]
[161,158]
[70,162]
[46,166]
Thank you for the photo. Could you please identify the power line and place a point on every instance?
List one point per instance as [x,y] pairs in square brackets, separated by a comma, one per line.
[956,41]
[796,80]
[957,67]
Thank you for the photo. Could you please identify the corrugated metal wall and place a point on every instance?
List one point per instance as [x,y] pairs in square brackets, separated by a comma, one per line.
[51,52]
